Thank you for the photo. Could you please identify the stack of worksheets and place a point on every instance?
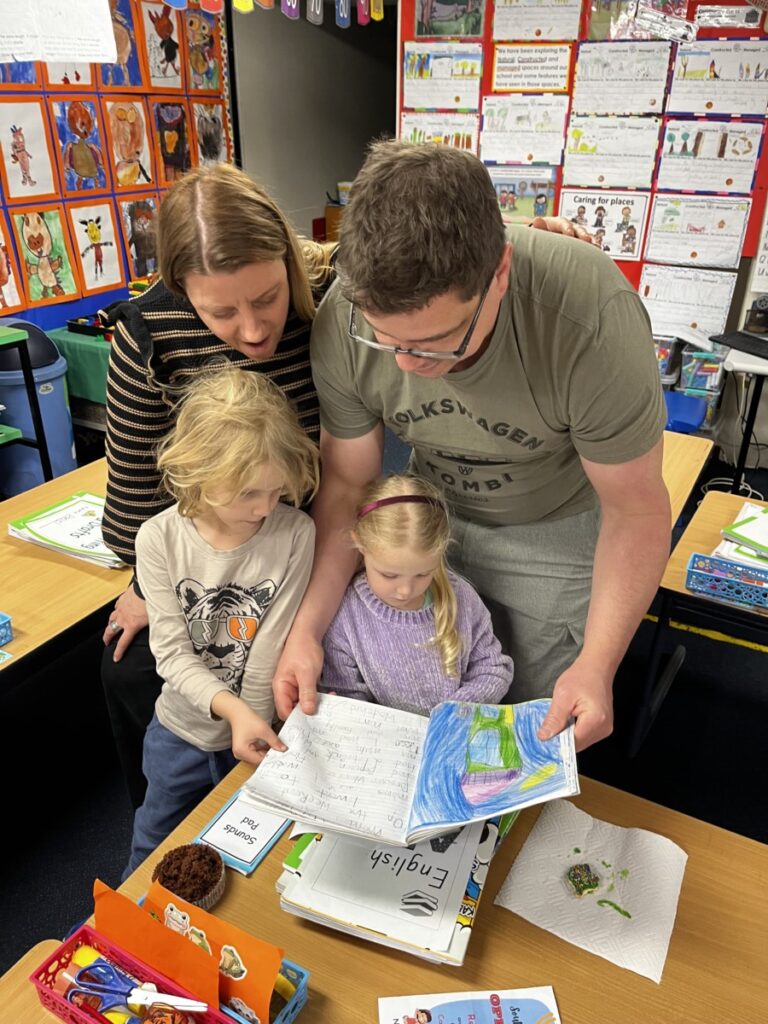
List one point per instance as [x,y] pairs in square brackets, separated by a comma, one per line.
[746,539]
[72,527]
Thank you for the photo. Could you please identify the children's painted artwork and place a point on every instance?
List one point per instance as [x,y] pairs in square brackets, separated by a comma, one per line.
[128,71]
[69,75]
[210,134]
[97,247]
[616,220]
[170,121]
[81,145]
[138,222]
[524,192]
[505,1006]
[20,74]
[130,142]
[27,166]
[463,19]
[203,45]
[161,31]
[11,292]
[45,255]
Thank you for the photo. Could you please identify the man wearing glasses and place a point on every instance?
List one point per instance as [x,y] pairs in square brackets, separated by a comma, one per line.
[520,368]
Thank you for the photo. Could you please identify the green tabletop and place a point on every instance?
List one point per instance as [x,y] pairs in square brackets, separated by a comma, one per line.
[11,334]
[87,358]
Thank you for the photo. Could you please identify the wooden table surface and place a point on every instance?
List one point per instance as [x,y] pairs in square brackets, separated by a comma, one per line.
[715,970]
[45,592]
[684,458]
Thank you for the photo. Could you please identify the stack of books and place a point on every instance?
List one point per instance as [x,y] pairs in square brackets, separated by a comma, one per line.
[736,572]
[410,812]
[746,540]
[72,527]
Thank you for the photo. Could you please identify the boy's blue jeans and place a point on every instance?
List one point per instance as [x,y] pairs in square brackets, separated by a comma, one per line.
[178,777]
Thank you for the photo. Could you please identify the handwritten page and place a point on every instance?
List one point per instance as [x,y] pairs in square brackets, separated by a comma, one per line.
[523,129]
[526,67]
[621,78]
[611,152]
[703,231]
[615,219]
[712,77]
[457,130]
[709,156]
[351,767]
[442,76]
[57,30]
[536,19]
[679,297]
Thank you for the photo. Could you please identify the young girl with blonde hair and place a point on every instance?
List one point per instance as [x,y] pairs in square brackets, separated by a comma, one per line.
[410,633]
[223,572]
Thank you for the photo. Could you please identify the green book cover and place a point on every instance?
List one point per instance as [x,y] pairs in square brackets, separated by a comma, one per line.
[751,533]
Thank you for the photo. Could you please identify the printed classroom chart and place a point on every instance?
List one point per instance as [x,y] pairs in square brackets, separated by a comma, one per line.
[523,193]
[536,19]
[457,130]
[611,152]
[530,68]
[621,78]
[523,129]
[709,156]
[615,219]
[442,76]
[720,78]
[679,297]
[697,230]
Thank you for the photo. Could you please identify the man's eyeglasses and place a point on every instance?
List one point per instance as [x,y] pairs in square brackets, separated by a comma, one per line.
[420,353]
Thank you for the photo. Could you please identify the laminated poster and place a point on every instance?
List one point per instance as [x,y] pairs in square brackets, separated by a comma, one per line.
[457,130]
[442,76]
[536,19]
[464,18]
[518,1006]
[615,219]
[523,129]
[698,230]
[621,78]
[524,193]
[709,156]
[611,152]
[720,78]
[527,67]
[680,297]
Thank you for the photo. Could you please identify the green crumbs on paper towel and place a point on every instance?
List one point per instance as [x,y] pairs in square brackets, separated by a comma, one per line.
[614,906]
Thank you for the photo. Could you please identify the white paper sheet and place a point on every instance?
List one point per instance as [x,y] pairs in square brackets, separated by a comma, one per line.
[457,130]
[712,77]
[678,297]
[530,68]
[57,30]
[442,76]
[615,219]
[629,919]
[536,19]
[523,129]
[709,156]
[705,231]
[611,152]
[621,78]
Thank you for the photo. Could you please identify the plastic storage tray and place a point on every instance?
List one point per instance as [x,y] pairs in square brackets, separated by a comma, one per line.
[712,398]
[728,581]
[702,370]
[44,977]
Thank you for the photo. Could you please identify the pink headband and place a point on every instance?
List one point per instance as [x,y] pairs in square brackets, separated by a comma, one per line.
[419,499]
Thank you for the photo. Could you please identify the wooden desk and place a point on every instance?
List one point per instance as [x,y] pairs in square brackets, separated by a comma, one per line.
[715,970]
[46,593]
[684,458]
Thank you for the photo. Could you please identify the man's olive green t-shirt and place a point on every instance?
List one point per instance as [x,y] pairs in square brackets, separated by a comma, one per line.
[570,371]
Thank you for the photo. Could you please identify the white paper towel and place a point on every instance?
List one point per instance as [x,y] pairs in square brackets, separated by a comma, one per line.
[640,873]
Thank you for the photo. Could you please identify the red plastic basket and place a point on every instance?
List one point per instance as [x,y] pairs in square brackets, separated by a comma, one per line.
[44,977]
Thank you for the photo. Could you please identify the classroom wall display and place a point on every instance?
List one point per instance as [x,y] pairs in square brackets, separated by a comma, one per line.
[130,142]
[536,19]
[80,144]
[611,152]
[706,231]
[138,224]
[46,260]
[460,131]
[720,78]
[523,129]
[27,165]
[523,192]
[129,70]
[442,76]
[170,125]
[211,143]
[709,156]
[63,75]
[621,78]
[11,291]
[616,219]
[162,32]
[203,51]
[464,18]
[94,233]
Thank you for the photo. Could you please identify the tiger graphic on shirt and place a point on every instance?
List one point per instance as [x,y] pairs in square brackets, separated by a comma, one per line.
[222,623]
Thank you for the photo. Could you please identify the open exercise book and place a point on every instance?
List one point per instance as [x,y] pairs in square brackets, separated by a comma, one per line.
[72,526]
[395,777]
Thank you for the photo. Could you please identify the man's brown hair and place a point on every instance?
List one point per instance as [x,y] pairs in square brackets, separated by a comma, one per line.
[422,220]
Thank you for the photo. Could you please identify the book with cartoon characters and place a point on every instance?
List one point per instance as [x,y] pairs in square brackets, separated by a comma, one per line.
[72,526]
[507,1006]
[393,777]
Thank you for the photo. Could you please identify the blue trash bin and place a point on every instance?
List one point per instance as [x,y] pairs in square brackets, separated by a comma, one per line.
[20,466]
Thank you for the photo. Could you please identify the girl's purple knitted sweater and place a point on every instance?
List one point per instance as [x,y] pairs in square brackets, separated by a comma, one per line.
[378,653]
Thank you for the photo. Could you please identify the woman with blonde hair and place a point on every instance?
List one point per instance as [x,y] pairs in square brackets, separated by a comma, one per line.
[409,633]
